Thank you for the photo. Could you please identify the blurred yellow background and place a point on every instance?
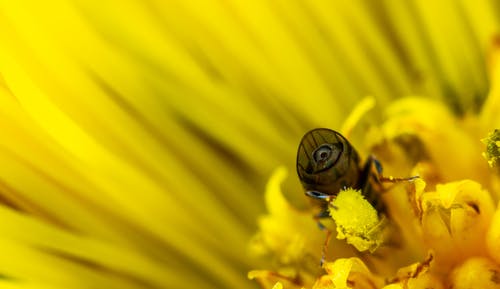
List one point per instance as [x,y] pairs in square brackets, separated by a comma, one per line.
[137,136]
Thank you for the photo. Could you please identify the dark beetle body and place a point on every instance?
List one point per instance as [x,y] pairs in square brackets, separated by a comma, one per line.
[328,163]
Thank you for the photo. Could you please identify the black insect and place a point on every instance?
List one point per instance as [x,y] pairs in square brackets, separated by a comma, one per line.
[328,163]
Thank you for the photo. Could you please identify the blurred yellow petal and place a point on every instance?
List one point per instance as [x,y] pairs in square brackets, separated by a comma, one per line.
[449,142]
[476,273]
[267,279]
[491,108]
[356,115]
[290,236]
[347,273]
[279,229]
[416,276]
[493,236]
[421,282]
[455,219]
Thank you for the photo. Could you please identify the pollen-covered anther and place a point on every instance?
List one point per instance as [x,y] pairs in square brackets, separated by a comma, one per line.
[492,153]
[357,221]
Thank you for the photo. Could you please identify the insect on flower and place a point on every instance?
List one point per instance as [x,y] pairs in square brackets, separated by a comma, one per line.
[328,164]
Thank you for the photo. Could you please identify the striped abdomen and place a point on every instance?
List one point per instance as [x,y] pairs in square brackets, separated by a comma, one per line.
[327,163]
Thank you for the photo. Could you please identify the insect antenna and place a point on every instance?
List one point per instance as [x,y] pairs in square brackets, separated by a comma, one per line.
[319,195]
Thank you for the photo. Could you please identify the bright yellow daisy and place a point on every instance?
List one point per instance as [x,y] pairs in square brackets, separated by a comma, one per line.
[138,136]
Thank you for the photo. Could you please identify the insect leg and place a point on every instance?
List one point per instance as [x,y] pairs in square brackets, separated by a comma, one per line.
[321,215]
[324,212]
[397,180]
[378,167]
[371,185]
[325,247]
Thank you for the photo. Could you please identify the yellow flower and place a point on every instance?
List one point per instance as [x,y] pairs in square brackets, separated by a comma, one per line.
[447,231]
[136,137]
[450,219]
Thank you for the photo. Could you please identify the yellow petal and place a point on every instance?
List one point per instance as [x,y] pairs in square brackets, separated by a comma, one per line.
[452,147]
[416,276]
[455,219]
[424,281]
[285,231]
[290,237]
[493,236]
[355,116]
[272,280]
[476,273]
[490,113]
[347,273]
